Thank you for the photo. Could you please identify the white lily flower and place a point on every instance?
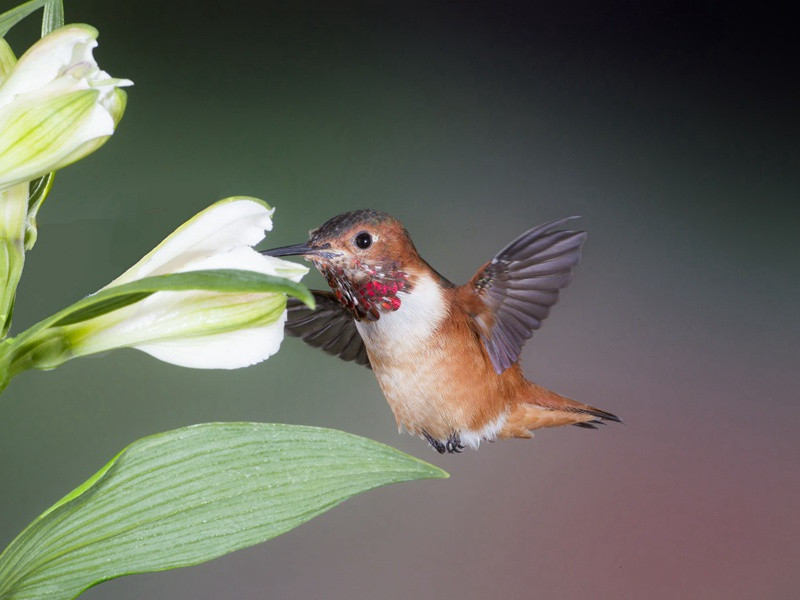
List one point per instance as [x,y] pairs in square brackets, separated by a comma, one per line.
[200,329]
[56,105]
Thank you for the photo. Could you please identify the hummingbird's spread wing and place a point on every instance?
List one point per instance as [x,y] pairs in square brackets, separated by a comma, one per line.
[519,286]
[328,327]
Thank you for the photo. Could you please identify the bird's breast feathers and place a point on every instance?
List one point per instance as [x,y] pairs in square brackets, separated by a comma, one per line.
[408,329]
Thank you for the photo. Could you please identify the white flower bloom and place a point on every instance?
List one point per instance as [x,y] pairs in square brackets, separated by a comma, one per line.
[200,329]
[56,105]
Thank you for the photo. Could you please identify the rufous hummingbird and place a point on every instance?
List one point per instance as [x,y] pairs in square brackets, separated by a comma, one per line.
[446,356]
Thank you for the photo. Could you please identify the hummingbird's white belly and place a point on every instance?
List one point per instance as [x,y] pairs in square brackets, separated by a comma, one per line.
[413,364]
[412,325]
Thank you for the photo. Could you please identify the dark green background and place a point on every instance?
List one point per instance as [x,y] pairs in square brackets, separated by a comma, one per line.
[670,127]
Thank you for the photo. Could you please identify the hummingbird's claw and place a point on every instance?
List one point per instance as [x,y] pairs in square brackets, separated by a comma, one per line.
[454,445]
[436,444]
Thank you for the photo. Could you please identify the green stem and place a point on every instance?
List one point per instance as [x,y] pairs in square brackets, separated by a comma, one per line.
[20,354]
[11,262]
[13,218]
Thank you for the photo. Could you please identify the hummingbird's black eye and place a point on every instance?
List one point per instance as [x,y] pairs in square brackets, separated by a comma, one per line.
[363,240]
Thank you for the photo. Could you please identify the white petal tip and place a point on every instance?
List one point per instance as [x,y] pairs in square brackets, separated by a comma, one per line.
[232,350]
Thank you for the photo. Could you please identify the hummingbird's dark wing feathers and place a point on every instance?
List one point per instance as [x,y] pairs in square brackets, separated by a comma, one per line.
[328,327]
[520,284]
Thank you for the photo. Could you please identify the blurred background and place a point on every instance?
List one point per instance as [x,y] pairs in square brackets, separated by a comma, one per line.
[670,127]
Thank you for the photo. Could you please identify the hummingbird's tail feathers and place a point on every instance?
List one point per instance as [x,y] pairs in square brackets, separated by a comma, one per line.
[590,424]
[599,421]
[542,408]
[602,415]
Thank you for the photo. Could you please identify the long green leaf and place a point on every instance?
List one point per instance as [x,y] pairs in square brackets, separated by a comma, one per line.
[53,16]
[11,17]
[189,495]
[220,280]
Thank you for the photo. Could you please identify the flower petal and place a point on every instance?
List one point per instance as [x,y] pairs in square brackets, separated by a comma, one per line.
[13,213]
[220,237]
[36,139]
[165,322]
[231,350]
[7,60]
[66,51]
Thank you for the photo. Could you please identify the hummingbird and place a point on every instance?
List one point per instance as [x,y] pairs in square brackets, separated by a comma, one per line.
[446,356]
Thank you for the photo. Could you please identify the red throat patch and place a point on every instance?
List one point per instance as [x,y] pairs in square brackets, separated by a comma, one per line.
[370,295]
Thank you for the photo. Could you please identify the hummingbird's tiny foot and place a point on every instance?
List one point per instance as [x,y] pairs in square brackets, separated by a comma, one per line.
[437,445]
[454,444]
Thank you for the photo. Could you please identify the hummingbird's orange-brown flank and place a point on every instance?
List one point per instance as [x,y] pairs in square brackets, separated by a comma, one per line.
[446,356]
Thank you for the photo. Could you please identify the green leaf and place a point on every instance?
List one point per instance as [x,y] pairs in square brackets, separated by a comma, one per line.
[221,280]
[11,17]
[189,495]
[53,16]
[105,305]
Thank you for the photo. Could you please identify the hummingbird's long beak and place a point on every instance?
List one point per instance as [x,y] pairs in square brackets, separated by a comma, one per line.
[301,250]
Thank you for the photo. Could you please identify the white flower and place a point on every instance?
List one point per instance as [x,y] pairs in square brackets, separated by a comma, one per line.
[200,329]
[56,105]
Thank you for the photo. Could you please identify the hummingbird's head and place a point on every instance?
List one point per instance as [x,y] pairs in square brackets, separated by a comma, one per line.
[367,257]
